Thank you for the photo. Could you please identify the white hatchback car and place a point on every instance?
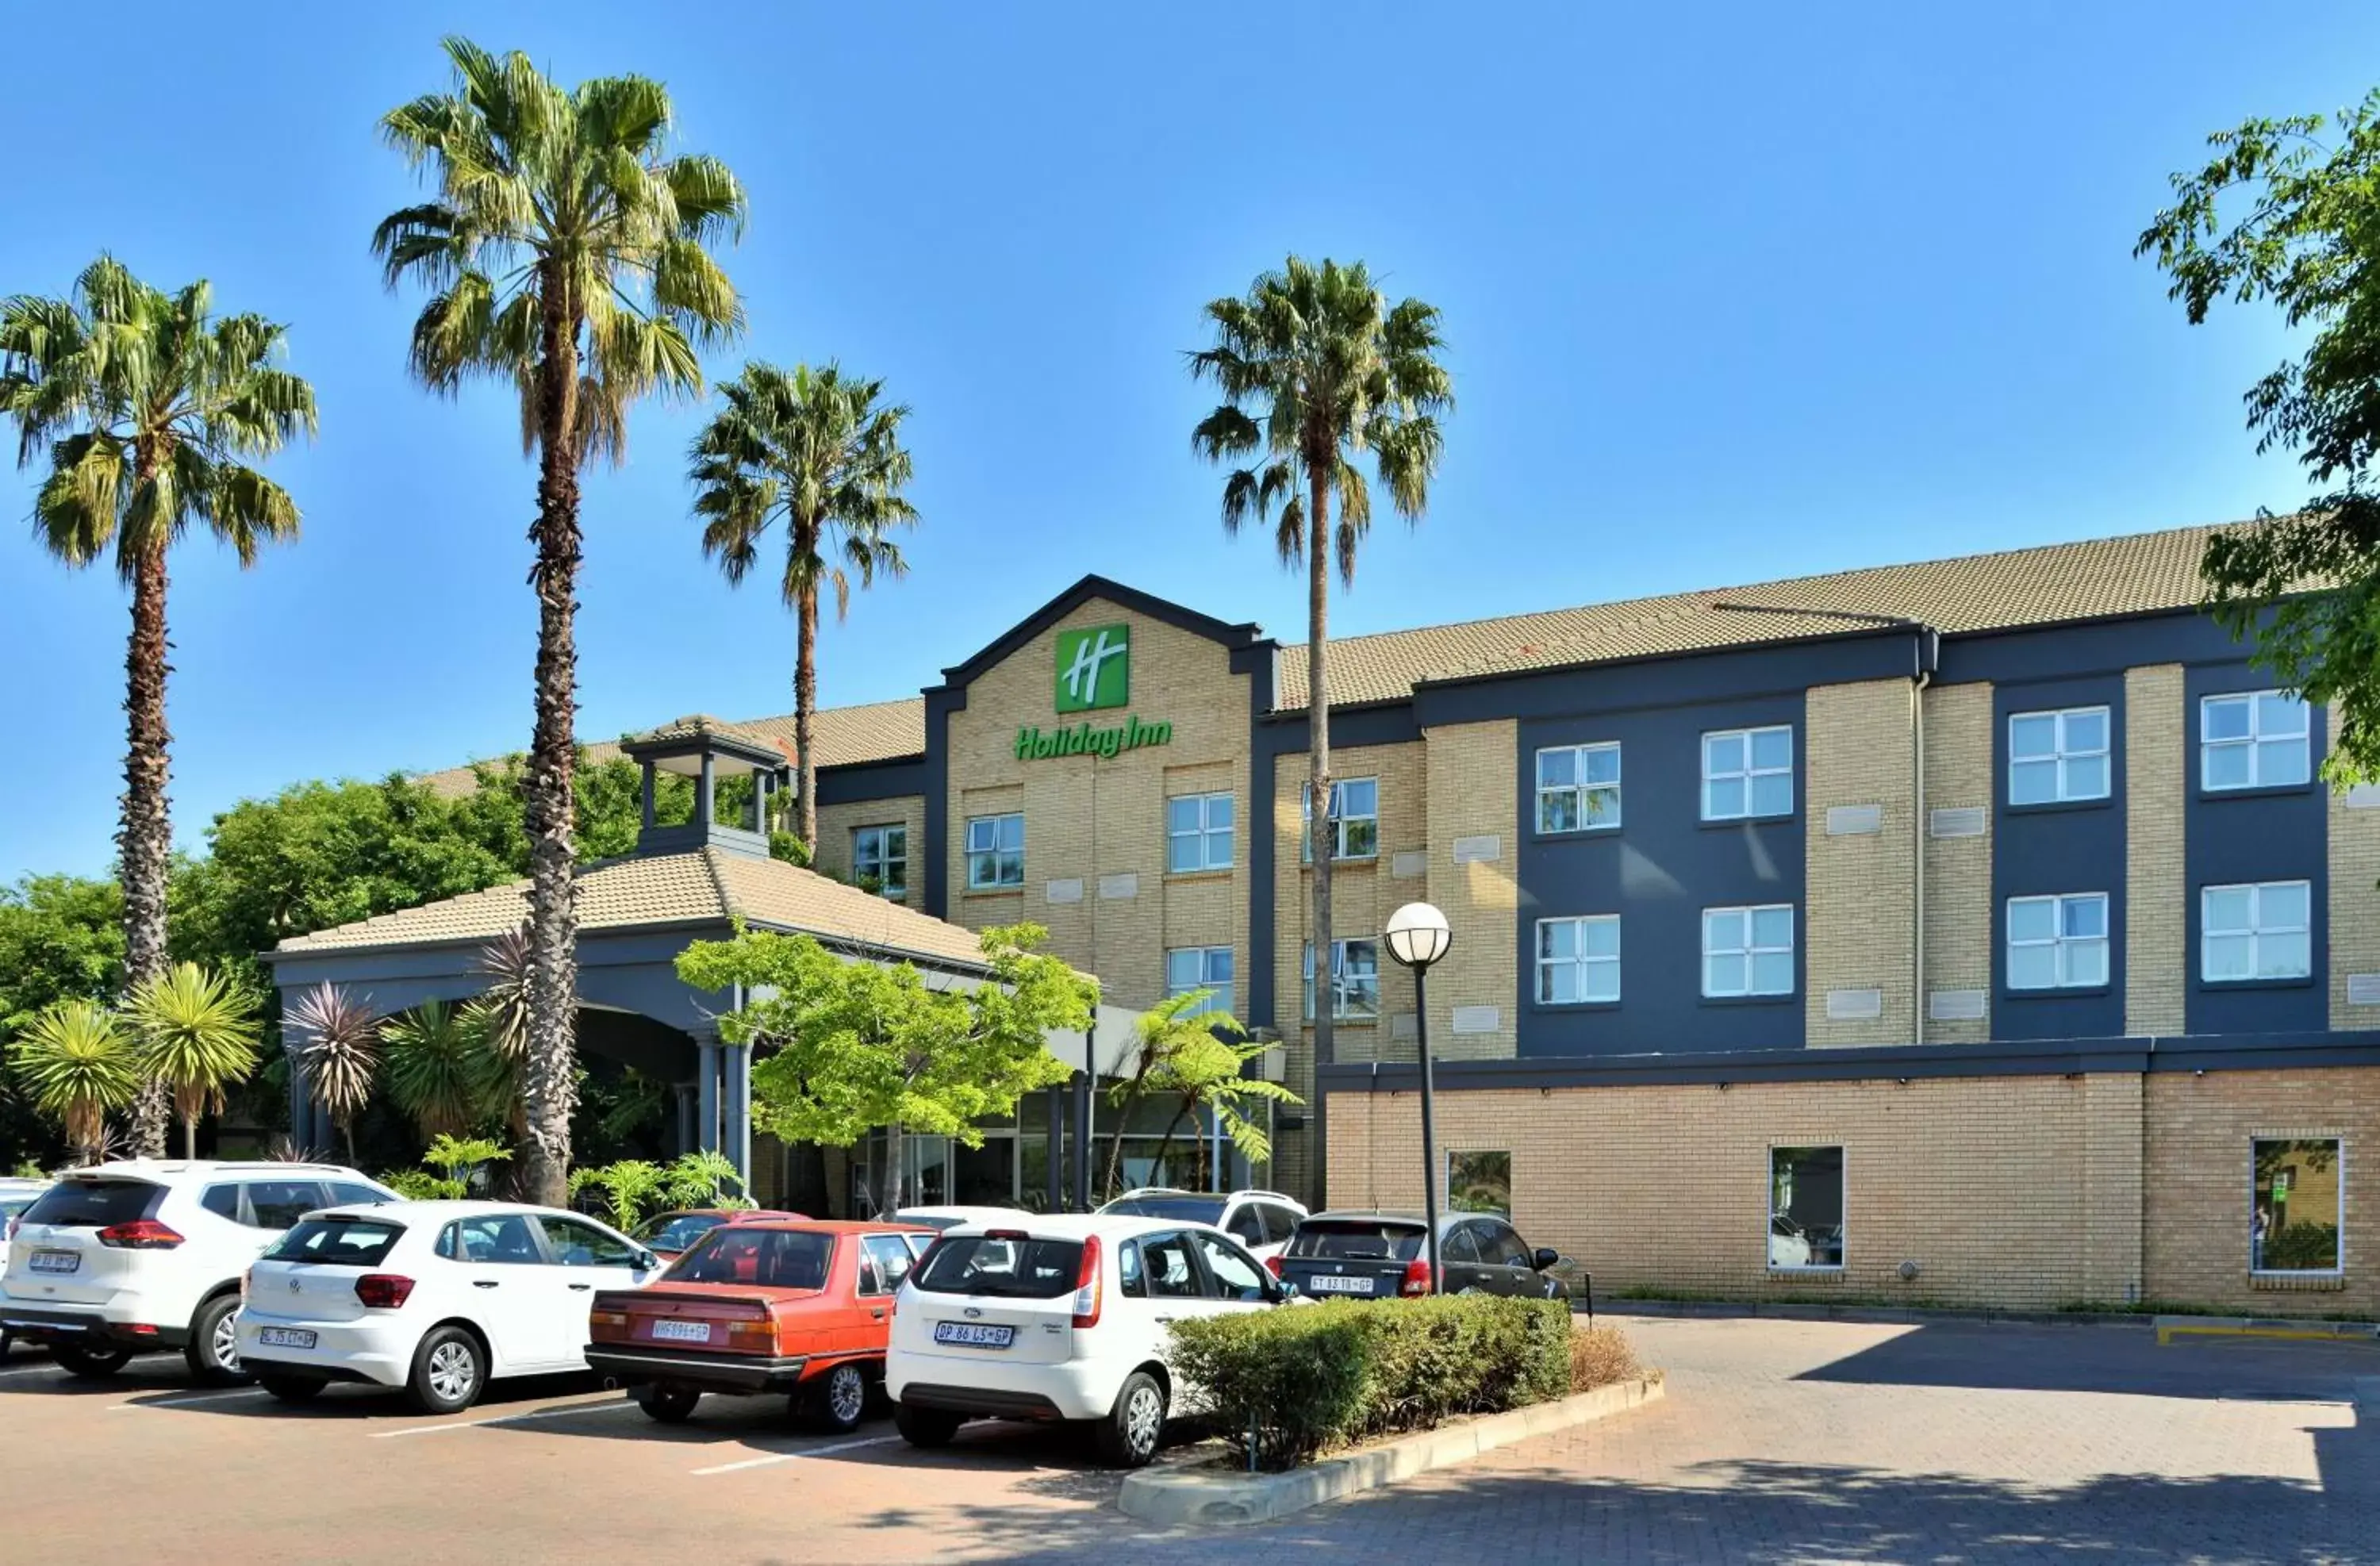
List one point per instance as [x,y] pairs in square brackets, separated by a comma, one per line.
[951,1217]
[1261,1221]
[439,1298]
[1061,1318]
[125,1258]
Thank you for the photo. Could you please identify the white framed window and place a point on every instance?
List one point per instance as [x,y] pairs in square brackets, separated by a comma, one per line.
[1748,950]
[1356,804]
[1578,960]
[2262,930]
[1747,773]
[2296,1205]
[2057,942]
[1355,980]
[2253,739]
[1578,787]
[1200,967]
[879,860]
[1198,832]
[1806,1210]
[2055,757]
[995,851]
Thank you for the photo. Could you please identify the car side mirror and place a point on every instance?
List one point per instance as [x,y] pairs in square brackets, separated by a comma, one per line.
[647,1261]
[1545,1258]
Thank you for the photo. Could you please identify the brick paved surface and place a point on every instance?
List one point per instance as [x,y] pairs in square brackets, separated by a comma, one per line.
[1782,1443]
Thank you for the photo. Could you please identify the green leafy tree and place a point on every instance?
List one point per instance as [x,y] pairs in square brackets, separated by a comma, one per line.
[630,1188]
[2283,212]
[701,1179]
[567,253]
[339,1044]
[146,405]
[61,939]
[441,1070]
[816,451]
[81,1064]
[198,1033]
[1198,1061]
[858,1044]
[1316,370]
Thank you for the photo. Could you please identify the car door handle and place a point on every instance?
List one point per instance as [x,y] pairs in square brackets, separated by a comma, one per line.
[580,1288]
[1164,1320]
[879,1315]
[483,1283]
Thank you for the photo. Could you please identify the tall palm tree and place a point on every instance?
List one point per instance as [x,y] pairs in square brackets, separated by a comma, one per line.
[814,449]
[198,1033]
[564,252]
[145,404]
[337,1040]
[1316,370]
[79,1064]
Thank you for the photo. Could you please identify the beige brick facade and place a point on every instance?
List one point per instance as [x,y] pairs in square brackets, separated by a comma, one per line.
[1858,913]
[1363,893]
[2354,896]
[2156,894]
[1957,869]
[837,823]
[1474,784]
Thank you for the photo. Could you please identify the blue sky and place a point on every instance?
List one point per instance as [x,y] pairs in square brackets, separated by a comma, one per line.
[1734,292]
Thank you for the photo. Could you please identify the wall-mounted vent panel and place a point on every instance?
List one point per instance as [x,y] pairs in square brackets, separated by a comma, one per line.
[1475,849]
[2363,990]
[1854,820]
[2363,797]
[1407,864]
[1124,885]
[1065,891]
[1853,1005]
[1478,1019]
[1956,1005]
[1404,1024]
[1961,821]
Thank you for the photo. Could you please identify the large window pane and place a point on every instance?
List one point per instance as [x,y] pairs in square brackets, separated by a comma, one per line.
[2299,1206]
[1806,1206]
[1479,1182]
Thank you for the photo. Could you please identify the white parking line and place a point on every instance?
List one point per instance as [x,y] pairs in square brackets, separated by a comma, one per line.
[35,1370]
[790,1456]
[505,1419]
[185,1402]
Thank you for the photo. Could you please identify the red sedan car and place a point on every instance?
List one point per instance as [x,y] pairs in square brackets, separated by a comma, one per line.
[797,1308]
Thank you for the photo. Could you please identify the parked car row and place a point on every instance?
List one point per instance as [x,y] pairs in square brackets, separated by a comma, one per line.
[305,1275]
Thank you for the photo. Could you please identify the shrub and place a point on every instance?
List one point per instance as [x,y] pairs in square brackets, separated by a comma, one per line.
[1600,1356]
[1291,1382]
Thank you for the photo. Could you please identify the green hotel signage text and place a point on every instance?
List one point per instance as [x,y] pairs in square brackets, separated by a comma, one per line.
[1094,674]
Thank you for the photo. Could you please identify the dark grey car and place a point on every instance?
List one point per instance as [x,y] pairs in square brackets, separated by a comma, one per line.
[1367,1256]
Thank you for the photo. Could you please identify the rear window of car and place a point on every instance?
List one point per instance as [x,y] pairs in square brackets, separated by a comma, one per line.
[339,1241]
[1009,1268]
[676,1231]
[1179,1209]
[767,1258]
[1343,1240]
[95,1204]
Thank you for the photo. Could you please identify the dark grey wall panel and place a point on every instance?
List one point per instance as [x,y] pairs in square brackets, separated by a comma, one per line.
[2038,849]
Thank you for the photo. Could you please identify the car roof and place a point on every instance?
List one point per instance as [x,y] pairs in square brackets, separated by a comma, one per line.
[838,1226]
[153,1169]
[747,1214]
[1384,1215]
[1079,1225]
[444,1212]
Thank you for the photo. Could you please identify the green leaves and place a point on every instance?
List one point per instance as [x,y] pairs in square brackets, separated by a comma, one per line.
[338,1041]
[198,1033]
[78,1063]
[441,1070]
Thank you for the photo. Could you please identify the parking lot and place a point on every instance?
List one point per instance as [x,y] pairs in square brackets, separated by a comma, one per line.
[1782,1441]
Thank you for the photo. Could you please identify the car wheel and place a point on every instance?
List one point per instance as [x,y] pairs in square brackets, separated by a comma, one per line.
[449,1372]
[291,1389]
[91,1365]
[925,1427]
[213,1351]
[1127,1438]
[838,1399]
[671,1406]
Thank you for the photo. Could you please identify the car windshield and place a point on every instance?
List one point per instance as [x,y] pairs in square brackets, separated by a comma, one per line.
[766,1258]
[1356,1240]
[1010,1268]
[337,1242]
[93,1204]
[676,1231]
[1186,1209]
[933,1220]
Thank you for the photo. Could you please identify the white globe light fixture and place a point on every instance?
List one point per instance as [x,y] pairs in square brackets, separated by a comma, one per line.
[1418,936]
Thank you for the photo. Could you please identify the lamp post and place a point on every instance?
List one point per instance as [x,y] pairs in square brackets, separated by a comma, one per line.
[1418,936]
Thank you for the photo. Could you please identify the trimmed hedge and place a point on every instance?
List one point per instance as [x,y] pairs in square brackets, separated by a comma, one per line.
[1295,1380]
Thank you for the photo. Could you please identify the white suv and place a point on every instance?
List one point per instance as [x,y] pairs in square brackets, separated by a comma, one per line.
[124,1259]
[1260,1220]
[1061,1318]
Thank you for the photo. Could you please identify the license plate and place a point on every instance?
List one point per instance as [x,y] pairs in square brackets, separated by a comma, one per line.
[682,1331]
[973,1335]
[284,1338]
[57,1261]
[1334,1283]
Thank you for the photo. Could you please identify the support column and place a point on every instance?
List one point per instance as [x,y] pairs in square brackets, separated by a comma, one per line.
[301,1100]
[736,1133]
[707,1091]
[1085,1087]
[1055,1103]
[684,1092]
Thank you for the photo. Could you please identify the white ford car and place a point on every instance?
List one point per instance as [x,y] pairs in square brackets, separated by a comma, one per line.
[126,1258]
[439,1298]
[1261,1221]
[1061,1318]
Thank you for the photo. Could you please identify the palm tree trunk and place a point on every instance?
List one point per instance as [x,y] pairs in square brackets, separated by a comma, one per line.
[145,840]
[190,1138]
[1165,1144]
[547,1078]
[805,705]
[1318,730]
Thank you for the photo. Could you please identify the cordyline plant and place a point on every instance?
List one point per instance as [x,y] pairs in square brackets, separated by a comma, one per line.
[336,1039]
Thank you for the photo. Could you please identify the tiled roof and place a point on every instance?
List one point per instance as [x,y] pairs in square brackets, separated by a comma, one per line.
[698,725]
[711,883]
[1976,593]
[879,731]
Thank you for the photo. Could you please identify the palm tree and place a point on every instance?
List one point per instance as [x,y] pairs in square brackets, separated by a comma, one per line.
[79,1064]
[566,254]
[338,1042]
[814,449]
[198,1033]
[1332,372]
[441,1070]
[144,403]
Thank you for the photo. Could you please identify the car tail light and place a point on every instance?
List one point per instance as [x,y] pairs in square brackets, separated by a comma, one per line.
[1018,1234]
[607,1319]
[1417,1278]
[1086,1285]
[383,1291]
[141,1235]
[139,1330]
[756,1337]
[243,1282]
[1272,1264]
[12,1228]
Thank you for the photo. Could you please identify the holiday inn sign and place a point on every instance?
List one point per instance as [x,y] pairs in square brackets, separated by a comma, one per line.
[1094,674]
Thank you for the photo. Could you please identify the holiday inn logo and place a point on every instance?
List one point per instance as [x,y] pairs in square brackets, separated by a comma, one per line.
[1094,668]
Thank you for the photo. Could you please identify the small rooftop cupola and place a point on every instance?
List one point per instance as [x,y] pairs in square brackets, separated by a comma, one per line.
[711,753]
